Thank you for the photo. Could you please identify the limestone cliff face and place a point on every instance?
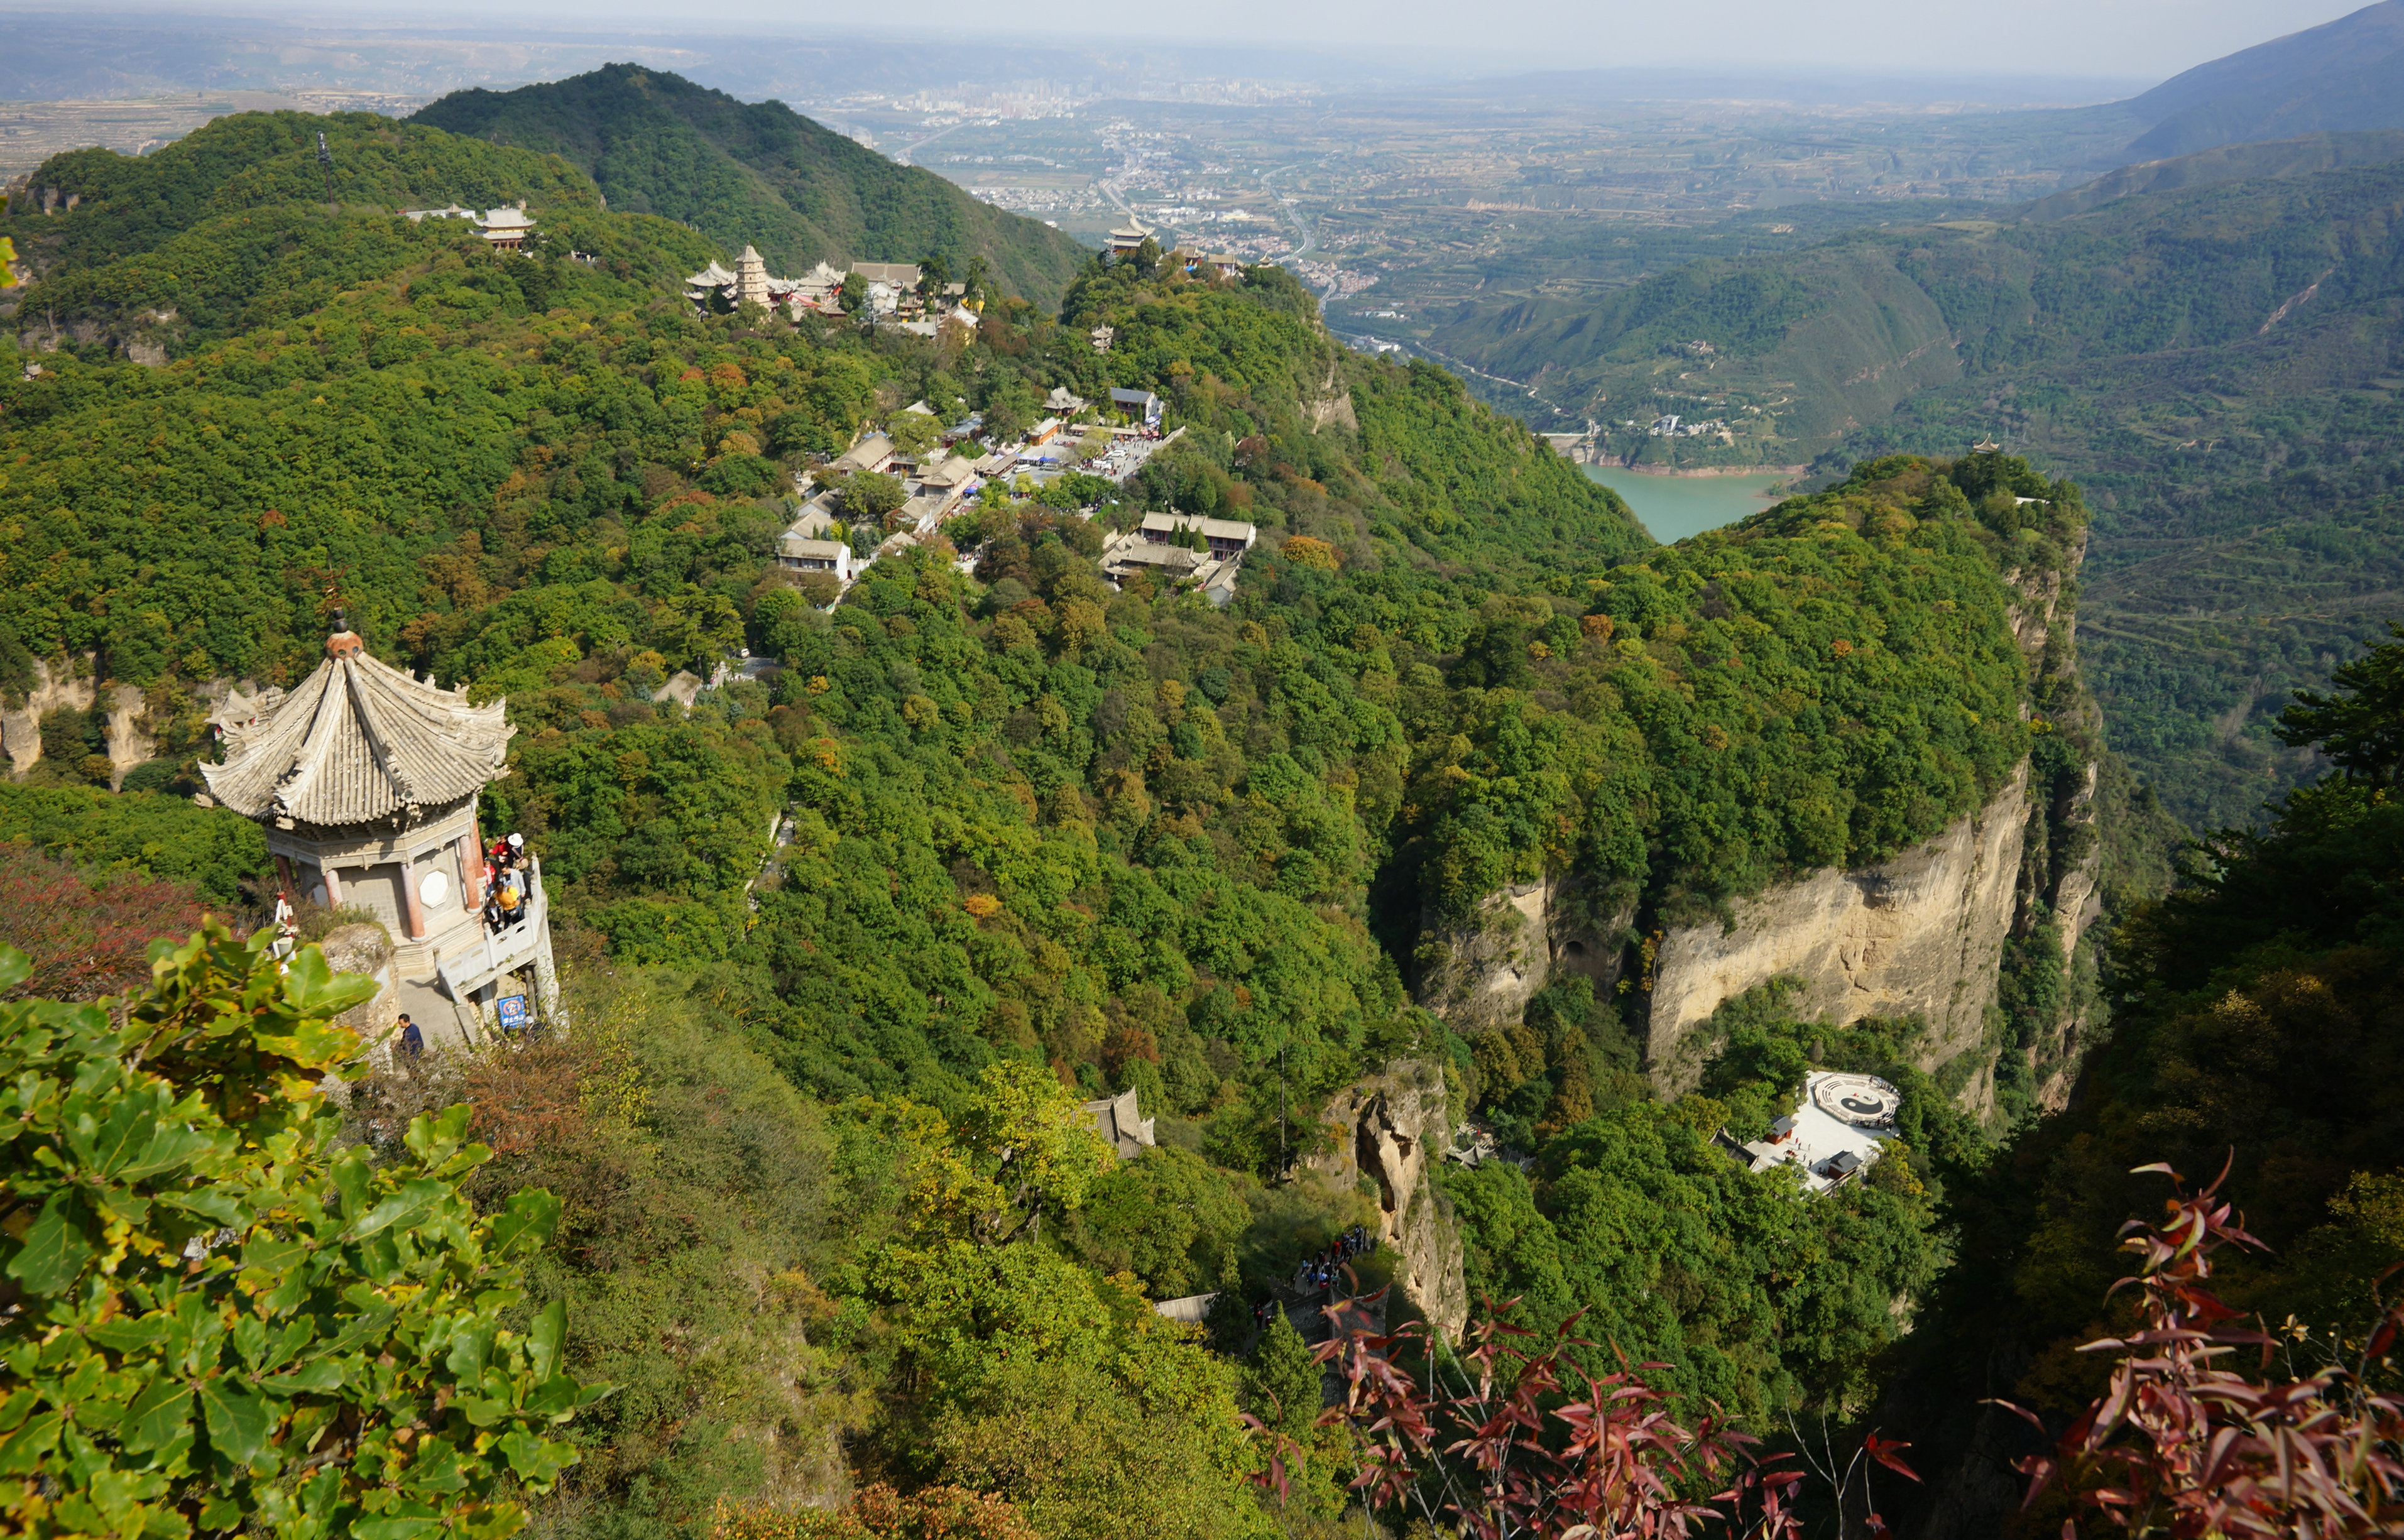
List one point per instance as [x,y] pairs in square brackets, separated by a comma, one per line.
[2075,901]
[1480,975]
[2038,613]
[1919,935]
[55,689]
[1395,1126]
[130,741]
[2059,871]
[126,711]
[1332,402]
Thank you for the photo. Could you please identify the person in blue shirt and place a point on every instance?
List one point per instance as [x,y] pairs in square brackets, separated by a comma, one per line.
[412,1042]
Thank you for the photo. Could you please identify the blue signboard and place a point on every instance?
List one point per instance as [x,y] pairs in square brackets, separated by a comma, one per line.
[512,1009]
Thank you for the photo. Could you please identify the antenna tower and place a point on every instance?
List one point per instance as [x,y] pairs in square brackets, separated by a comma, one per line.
[326,165]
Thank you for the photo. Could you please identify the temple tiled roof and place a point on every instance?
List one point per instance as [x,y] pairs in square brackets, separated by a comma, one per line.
[1120,1123]
[357,742]
[1217,529]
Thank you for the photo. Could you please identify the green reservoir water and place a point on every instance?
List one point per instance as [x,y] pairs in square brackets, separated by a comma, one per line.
[1675,506]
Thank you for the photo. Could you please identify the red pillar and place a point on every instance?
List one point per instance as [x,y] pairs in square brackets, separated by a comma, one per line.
[471,871]
[408,899]
[333,886]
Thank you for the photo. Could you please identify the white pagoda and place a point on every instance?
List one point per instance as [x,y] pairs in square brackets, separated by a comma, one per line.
[366,780]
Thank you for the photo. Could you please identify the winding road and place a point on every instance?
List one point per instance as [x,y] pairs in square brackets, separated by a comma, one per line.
[1301,227]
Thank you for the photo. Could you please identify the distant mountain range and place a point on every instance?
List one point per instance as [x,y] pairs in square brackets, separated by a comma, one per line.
[759,175]
[2207,339]
[2345,75]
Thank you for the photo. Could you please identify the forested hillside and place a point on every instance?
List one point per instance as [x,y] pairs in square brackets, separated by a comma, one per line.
[2297,157]
[851,935]
[229,229]
[2215,365]
[761,175]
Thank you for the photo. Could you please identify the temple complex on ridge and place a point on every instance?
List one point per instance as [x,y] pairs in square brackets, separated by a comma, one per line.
[366,780]
[891,289]
[750,284]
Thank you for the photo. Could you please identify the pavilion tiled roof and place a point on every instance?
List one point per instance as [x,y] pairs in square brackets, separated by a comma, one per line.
[358,742]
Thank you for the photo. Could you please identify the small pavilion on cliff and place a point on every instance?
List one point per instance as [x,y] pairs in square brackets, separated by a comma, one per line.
[366,781]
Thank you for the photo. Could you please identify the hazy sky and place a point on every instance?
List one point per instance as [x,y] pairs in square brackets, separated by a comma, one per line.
[2124,39]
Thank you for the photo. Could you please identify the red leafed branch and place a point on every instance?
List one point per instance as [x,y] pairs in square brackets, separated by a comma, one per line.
[2182,1443]
[1526,1443]
[86,937]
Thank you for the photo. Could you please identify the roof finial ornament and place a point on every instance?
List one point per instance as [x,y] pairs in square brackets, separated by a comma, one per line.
[344,642]
[360,742]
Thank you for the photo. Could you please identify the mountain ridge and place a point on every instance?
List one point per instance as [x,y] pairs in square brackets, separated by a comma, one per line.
[2344,75]
[2240,163]
[758,174]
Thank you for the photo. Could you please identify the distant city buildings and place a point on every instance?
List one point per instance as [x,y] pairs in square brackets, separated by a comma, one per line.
[1334,282]
[1023,100]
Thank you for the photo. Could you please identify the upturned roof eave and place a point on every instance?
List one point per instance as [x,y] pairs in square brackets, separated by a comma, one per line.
[415,748]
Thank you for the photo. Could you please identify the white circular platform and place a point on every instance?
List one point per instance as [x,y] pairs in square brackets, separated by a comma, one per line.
[1863,1101]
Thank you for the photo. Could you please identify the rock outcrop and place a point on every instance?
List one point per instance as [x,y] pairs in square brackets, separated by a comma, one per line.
[1480,975]
[130,741]
[1394,1126]
[2075,900]
[56,688]
[127,727]
[1919,935]
[1332,402]
[2038,612]
[366,948]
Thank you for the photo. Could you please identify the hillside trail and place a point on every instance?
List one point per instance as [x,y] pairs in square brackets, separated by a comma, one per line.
[1314,1312]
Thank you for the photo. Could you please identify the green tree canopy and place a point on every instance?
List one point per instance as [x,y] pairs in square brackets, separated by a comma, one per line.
[871,495]
[2361,724]
[222,1319]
